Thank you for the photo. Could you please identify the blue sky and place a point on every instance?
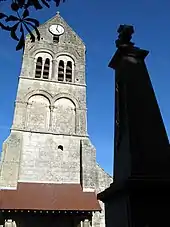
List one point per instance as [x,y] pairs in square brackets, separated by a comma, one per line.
[96,22]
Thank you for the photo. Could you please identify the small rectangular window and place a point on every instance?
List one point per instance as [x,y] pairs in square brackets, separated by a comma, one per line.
[55,39]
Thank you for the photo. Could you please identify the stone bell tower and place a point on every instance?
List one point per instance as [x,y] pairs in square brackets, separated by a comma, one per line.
[50,111]
[48,142]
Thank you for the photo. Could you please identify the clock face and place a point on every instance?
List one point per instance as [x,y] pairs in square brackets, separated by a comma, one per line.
[56,29]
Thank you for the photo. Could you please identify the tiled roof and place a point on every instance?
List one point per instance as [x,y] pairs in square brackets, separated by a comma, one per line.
[39,196]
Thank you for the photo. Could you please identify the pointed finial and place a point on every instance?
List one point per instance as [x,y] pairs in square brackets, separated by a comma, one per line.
[58,13]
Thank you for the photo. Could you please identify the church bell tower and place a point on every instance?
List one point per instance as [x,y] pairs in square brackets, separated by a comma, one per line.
[48,163]
[48,140]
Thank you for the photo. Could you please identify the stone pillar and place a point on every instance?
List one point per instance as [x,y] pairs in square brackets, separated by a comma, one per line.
[34,67]
[54,70]
[65,65]
[19,119]
[43,63]
[81,122]
[27,112]
[86,223]
[81,223]
[77,117]
[51,118]
[10,160]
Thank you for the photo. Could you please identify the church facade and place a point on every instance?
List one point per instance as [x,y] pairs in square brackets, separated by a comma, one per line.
[48,163]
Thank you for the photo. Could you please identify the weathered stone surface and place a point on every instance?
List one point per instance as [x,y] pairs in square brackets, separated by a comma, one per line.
[10,160]
[48,140]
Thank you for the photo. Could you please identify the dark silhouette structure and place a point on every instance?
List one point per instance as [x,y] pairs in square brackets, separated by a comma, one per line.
[140,194]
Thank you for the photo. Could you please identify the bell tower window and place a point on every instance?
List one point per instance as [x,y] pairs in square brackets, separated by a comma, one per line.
[66,68]
[69,72]
[61,71]
[38,68]
[46,68]
[43,65]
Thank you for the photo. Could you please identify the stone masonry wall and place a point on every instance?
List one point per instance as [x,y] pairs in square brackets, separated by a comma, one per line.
[50,158]
[103,181]
[69,45]
[49,101]
[10,160]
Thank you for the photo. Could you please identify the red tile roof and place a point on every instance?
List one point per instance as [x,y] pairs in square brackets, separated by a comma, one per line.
[38,196]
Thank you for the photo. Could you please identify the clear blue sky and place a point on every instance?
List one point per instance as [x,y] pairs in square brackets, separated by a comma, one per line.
[96,23]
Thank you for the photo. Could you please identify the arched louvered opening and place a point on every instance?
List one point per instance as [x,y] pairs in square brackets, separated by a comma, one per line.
[61,71]
[69,72]
[38,68]
[46,68]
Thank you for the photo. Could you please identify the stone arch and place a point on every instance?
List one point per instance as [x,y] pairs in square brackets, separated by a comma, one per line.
[38,113]
[64,116]
[39,92]
[45,50]
[61,74]
[68,96]
[41,53]
[66,54]
[45,71]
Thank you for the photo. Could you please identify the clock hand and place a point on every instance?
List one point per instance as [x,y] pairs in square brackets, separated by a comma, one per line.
[57,29]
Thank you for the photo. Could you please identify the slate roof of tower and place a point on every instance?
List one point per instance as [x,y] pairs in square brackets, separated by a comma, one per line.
[40,196]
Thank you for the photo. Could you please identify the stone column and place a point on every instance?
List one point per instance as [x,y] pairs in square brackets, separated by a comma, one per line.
[81,121]
[19,115]
[65,65]
[76,121]
[54,70]
[51,118]
[27,112]
[86,223]
[81,223]
[43,63]
[34,61]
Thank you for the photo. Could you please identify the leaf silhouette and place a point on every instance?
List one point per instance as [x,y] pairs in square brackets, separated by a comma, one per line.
[21,42]
[45,3]
[32,37]
[26,13]
[36,4]
[11,18]
[58,2]
[28,4]
[33,21]
[21,3]
[24,19]
[13,32]
[36,30]
[2,15]
[7,28]
[14,6]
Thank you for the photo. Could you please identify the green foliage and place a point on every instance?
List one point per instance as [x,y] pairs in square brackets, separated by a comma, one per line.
[22,22]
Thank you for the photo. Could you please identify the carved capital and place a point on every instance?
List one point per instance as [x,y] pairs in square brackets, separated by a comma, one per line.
[52,108]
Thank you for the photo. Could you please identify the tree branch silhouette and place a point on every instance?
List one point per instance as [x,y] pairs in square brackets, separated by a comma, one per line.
[21,21]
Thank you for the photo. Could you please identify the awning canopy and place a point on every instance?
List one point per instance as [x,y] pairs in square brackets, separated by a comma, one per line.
[38,196]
